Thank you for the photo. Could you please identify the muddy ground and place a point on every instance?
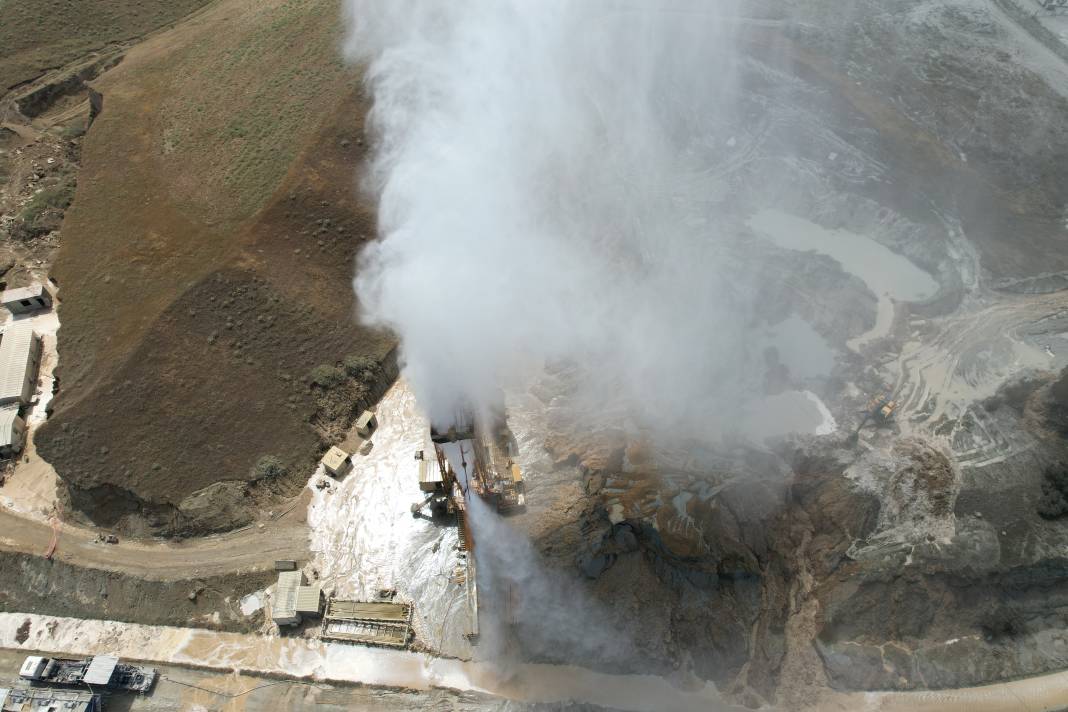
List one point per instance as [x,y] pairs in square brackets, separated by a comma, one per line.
[58,588]
[187,690]
[909,555]
[912,554]
[785,580]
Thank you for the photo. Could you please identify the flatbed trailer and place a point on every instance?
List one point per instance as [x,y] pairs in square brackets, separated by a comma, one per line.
[368,622]
[103,671]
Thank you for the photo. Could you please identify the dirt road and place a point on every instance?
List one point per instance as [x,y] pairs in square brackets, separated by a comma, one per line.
[973,352]
[295,659]
[251,549]
[302,659]
[190,690]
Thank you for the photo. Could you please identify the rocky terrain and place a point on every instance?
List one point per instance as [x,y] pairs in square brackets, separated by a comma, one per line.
[63,589]
[913,554]
[223,245]
[194,321]
[180,687]
[942,579]
[210,352]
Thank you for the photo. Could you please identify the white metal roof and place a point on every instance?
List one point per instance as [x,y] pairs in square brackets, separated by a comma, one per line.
[29,667]
[16,350]
[100,669]
[285,594]
[8,415]
[429,472]
[307,600]
[14,295]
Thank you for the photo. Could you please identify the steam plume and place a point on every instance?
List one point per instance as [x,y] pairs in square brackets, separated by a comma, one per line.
[541,167]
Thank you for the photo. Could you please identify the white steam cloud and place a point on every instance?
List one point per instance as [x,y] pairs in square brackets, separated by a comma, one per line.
[542,171]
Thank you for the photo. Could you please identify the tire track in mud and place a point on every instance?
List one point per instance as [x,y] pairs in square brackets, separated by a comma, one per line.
[942,377]
[296,658]
[250,549]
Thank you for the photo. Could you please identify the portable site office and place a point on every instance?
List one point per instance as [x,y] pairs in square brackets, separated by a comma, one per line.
[20,357]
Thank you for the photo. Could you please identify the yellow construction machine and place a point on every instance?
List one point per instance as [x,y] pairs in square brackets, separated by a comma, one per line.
[880,408]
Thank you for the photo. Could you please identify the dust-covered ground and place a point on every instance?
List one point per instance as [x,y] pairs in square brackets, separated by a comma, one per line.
[186,690]
[207,244]
[59,588]
[206,282]
[813,552]
[899,555]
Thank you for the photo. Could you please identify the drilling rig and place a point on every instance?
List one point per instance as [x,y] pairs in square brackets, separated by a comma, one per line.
[465,460]
[462,462]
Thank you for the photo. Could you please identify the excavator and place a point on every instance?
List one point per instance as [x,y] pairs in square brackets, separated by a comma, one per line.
[880,408]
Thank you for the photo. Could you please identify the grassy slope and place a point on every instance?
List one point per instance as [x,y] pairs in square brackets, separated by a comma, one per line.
[141,231]
[198,284]
[274,78]
[43,34]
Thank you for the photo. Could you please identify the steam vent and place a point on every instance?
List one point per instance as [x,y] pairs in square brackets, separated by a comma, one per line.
[656,356]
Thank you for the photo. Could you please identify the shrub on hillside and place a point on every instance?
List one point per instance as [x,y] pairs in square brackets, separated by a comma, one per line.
[363,368]
[1001,623]
[74,129]
[44,211]
[327,376]
[1054,501]
[268,467]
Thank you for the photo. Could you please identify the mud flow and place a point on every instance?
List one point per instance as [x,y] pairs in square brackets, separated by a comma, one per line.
[777,347]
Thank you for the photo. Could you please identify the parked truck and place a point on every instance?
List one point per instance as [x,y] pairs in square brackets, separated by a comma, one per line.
[103,671]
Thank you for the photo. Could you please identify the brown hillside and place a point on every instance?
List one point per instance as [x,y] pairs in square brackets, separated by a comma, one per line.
[45,34]
[191,317]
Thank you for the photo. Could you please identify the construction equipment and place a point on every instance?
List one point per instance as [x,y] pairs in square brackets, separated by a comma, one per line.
[368,622]
[880,408]
[469,459]
[485,467]
[104,671]
[41,699]
[432,482]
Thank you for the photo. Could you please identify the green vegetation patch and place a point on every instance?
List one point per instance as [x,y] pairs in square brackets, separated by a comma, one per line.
[327,376]
[44,211]
[363,368]
[39,35]
[269,467]
[274,77]
[75,129]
